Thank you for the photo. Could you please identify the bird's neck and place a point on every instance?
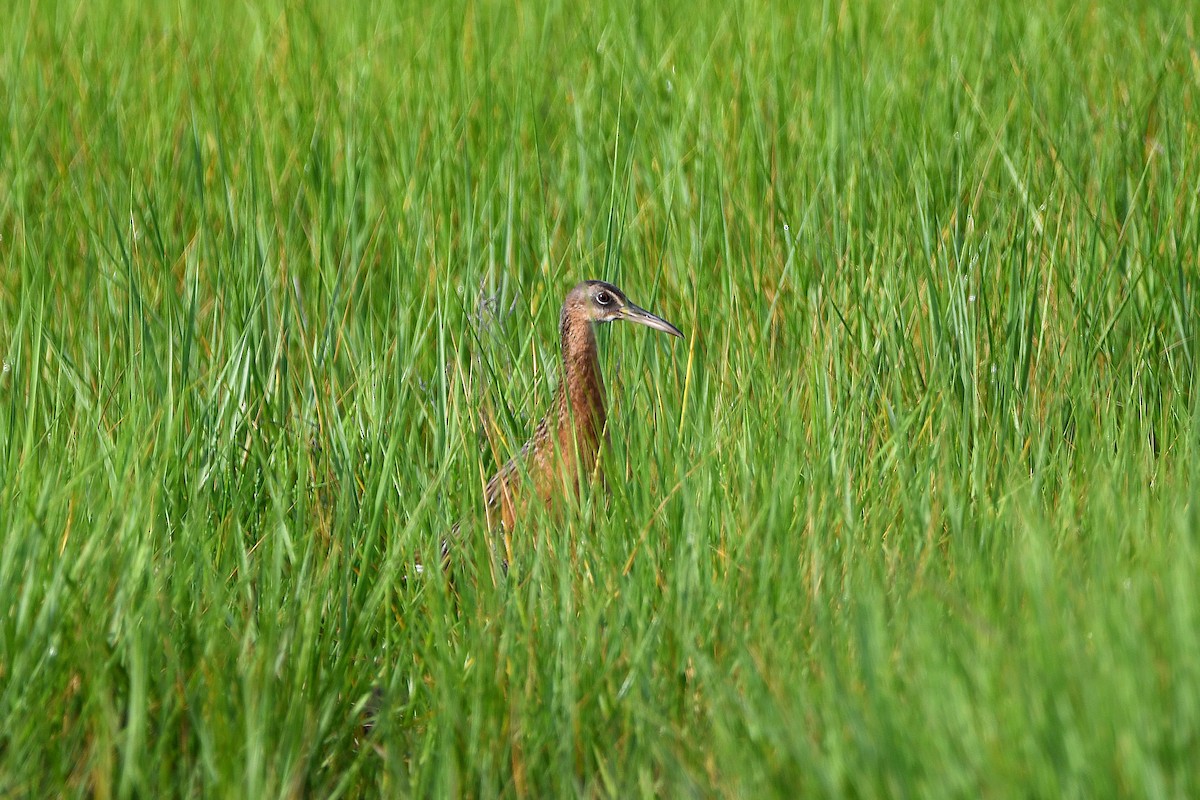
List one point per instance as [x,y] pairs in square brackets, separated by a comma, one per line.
[581,394]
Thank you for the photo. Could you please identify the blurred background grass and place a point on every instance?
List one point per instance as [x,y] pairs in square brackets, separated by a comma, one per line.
[909,513]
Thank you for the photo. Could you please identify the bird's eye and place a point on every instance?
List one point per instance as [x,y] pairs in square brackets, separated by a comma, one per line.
[604,298]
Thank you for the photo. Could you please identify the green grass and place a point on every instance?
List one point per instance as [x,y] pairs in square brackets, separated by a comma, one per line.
[910,512]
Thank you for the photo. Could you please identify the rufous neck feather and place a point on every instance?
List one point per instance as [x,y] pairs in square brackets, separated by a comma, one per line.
[581,395]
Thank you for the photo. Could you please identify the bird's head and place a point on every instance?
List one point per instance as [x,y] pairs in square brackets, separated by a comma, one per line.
[598,302]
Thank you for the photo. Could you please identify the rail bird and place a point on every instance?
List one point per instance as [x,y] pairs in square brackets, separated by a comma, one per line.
[565,446]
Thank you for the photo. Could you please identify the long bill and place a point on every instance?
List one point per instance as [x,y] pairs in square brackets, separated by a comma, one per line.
[632,313]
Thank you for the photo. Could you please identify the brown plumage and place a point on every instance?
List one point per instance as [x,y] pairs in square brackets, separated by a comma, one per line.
[566,444]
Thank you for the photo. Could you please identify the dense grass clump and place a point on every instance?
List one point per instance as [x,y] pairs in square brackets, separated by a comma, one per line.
[909,513]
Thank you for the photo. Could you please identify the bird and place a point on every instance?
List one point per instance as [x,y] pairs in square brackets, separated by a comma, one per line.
[565,445]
